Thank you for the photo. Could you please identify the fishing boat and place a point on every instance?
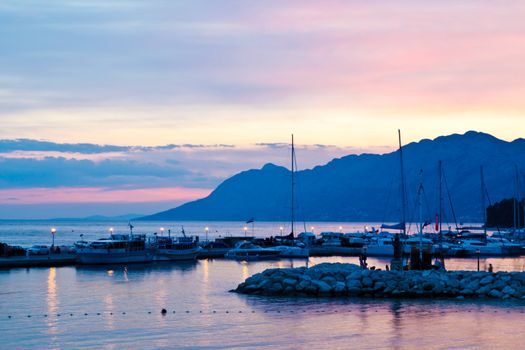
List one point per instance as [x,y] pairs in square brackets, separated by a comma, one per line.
[248,251]
[175,248]
[117,249]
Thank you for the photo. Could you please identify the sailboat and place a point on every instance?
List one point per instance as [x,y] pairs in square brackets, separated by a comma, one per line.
[481,243]
[383,245]
[297,249]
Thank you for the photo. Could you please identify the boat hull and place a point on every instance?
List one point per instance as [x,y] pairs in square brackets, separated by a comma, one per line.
[100,258]
[252,256]
[176,254]
[379,250]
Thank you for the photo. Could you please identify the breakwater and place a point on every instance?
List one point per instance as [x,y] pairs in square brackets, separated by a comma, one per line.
[336,279]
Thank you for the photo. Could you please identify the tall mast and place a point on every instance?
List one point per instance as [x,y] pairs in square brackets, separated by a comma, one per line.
[420,202]
[516,201]
[440,212]
[522,211]
[293,186]
[403,192]
[483,208]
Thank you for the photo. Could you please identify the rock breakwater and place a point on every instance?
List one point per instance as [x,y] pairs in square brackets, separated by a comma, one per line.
[336,279]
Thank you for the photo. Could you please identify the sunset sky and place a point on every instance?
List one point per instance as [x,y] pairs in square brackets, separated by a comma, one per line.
[184,94]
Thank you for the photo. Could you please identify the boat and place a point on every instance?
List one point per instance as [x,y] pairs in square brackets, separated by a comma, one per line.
[489,247]
[175,248]
[246,250]
[294,249]
[331,239]
[117,249]
[380,246]
[299,250]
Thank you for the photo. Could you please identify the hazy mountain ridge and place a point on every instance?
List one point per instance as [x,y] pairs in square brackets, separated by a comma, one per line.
[366,187]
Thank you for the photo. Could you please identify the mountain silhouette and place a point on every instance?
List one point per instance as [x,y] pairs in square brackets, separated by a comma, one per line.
[366,187]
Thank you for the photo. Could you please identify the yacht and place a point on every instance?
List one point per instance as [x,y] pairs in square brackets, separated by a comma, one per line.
[490,247]
[248,251]
[175,248]
[299,250]
[380,246]
[117,249]
[331,239]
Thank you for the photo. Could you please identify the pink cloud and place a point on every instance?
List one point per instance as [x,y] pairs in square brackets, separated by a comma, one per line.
[100,195]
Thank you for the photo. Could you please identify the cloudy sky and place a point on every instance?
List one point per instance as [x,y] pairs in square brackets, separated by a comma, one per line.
[111,107]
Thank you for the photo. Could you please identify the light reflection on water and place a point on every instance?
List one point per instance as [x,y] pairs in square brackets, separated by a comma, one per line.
[203,286]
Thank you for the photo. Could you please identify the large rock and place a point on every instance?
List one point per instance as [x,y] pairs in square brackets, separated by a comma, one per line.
[486,280]
[348,279]
[323,287]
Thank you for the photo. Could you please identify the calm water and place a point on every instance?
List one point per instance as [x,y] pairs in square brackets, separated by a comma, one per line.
[118,301]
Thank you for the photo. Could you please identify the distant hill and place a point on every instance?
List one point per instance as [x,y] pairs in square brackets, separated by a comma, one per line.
[366,187]
[501,214]
[100,218]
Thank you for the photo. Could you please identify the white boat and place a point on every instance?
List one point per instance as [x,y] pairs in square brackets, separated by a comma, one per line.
[117,249]
[484,248]
[308,238]
[175,248]
[380,246]
[248,251]
[331,239]
[492,247]
[297,251]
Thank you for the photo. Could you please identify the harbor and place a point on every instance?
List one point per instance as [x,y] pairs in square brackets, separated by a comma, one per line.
[173,242]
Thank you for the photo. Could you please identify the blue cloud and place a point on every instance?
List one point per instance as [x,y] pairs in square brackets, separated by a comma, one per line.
[58,171]
[89,148]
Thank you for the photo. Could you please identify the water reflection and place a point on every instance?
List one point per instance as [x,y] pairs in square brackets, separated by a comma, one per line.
[245,270]
[265,322]
[108,301]
[52,302]
[395,311]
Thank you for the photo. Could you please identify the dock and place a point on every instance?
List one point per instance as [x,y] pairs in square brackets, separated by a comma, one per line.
[48,260]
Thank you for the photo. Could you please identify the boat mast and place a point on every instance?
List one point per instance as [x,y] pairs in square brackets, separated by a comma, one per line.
[483,208]
[516,201]
[420,202]
[523,203]
[440,212]
[293,185]
[403,192]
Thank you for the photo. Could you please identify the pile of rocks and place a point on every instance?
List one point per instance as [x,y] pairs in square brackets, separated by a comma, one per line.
[338,279]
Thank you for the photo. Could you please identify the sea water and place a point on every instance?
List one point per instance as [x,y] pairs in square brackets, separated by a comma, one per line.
[119,306]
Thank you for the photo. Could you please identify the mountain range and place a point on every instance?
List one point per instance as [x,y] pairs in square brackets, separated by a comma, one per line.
[367,187]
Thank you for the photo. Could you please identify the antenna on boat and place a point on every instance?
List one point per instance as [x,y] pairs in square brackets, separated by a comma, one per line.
[182,231]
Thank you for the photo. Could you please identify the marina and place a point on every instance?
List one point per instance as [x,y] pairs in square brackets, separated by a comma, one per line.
[263,244]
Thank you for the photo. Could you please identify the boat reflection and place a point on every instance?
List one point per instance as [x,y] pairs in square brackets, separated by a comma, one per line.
[116,269]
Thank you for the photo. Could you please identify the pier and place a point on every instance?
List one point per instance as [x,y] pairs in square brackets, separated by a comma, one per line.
[48,260]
